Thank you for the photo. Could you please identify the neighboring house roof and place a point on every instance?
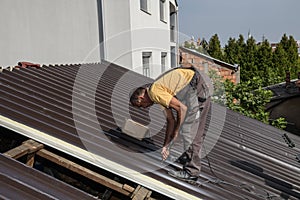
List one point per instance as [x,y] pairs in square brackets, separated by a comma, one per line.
[286,103]
[78,108]
[285,90]
[216,61]
[19,181]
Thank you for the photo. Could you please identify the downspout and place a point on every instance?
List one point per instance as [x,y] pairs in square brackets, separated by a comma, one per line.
[101,29]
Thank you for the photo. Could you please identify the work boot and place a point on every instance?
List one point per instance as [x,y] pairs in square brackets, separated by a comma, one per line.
[183,175]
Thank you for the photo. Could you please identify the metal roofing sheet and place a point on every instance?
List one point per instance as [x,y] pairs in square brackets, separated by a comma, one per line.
[79,109]
[19,181]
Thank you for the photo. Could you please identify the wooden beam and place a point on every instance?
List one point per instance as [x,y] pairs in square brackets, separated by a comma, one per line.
[121,188]
[30,159]
[27,147]
[140,193]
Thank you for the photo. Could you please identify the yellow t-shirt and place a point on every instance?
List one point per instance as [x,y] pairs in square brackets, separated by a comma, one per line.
[167,86]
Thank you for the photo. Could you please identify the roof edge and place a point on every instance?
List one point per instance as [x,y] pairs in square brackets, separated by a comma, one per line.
[89,157]
[233,67]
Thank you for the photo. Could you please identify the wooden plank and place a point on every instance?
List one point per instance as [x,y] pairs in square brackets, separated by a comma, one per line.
[141,194]
[135,191]
[148,197]
[27,147]
[85,172]
[30,159]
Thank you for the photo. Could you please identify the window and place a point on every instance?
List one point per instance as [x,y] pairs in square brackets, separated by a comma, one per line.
[172,32]
[173,57]
[146,63]
[162,10]
[144,5]
[173,20]
[163,61]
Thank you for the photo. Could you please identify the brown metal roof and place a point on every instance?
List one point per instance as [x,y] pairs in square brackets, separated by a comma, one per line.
[19,181]
[79,109]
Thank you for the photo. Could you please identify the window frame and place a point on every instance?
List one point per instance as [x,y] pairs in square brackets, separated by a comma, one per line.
[146,56]
[163,61]
[162,10]
[145,6]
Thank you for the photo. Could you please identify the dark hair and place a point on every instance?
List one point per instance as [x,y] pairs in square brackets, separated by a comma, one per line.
[135,94]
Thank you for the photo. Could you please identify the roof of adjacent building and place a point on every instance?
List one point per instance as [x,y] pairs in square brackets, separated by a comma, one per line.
[285,90]
[216,61]
[285,103]
[79,110]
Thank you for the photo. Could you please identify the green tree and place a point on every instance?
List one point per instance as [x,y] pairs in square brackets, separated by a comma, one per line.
[241,46]
[218,95]
[284,42]
[290,60]
[292,53]
[264,63]
[204,44]
[280,62]
[214,47]
[187,44]
[249,99]
[248,61]
[231,51]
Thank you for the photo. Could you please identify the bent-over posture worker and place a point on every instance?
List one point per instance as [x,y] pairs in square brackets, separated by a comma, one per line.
[182,89]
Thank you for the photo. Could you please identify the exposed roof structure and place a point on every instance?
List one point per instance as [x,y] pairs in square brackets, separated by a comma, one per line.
[19,181]
[79,109]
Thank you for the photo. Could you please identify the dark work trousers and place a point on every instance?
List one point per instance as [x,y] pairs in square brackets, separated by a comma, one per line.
[193,129]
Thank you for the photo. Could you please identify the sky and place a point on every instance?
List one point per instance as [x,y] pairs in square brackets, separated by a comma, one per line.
[230,18]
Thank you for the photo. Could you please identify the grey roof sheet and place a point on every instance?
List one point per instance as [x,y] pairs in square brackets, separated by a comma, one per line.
[83,105]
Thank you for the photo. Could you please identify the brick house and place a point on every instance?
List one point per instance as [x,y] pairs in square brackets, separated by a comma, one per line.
[206,63]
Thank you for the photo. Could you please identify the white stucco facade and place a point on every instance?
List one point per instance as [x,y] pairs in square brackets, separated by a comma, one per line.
[85,31]
[49,32]
[136,31]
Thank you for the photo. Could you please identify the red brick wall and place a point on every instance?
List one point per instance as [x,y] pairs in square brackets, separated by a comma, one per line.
[202,63]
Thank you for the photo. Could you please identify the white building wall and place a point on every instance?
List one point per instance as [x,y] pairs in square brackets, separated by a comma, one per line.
[117,35]
[129,32]
[68,31]
[152,34]
[49,32]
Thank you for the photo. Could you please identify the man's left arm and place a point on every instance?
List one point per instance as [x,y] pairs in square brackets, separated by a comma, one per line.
[181,110]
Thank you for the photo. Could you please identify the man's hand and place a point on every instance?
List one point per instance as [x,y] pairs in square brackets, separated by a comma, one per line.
[165,153]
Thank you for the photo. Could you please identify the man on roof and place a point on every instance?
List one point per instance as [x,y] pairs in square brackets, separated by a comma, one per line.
[183,90]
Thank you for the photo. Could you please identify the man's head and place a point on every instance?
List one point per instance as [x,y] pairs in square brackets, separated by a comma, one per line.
[140,98]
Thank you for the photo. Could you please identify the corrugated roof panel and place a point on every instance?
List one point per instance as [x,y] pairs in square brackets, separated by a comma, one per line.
[79,109]
[19,181]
